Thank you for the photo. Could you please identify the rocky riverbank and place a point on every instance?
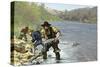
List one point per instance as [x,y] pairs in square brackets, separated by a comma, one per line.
[23,53]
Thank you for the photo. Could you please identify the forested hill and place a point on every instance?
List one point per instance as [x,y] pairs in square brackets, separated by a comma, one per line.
[87,15]
[84,15]
[31,13]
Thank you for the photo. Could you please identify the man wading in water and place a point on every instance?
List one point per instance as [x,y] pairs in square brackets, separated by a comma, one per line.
[49,32]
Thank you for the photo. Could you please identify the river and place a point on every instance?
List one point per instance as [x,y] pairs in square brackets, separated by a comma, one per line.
[78,43]
[83,35]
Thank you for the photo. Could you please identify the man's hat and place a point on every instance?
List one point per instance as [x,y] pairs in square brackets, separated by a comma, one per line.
[46,24]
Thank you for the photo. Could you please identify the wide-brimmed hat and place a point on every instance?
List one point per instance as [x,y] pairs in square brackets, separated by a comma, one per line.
[45,24]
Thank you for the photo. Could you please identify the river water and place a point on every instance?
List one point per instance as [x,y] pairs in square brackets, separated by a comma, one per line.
[78,43]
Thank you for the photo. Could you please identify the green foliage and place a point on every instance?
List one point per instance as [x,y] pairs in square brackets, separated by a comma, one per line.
[30,14]
[86,15]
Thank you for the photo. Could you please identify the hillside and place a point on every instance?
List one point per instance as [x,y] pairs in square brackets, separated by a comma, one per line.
[86,15]
[30,14]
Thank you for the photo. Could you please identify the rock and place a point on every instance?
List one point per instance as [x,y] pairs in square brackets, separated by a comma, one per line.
[75,44]
[23,54]
[37,62]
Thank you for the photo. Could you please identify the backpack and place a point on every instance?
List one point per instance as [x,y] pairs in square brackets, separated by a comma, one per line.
[36,37]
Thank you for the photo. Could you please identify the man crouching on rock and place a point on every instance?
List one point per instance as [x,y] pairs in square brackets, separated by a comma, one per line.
[23,33]
[48,32]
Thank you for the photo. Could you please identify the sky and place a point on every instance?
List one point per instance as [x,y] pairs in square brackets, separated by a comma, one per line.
[62,7]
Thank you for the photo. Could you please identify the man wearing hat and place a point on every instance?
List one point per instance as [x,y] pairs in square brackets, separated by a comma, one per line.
[23,33]
[49,32]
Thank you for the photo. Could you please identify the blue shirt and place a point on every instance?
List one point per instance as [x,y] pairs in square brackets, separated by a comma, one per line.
[36,36]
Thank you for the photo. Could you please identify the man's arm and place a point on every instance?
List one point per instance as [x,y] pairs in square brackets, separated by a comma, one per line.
[58,33]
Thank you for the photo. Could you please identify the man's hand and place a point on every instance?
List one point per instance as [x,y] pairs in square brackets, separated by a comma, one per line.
[55,39]
[58,35]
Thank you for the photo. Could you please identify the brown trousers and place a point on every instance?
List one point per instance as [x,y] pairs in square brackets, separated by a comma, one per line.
[54,45]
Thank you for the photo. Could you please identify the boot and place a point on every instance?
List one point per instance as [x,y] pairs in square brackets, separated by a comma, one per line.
[44,55]
[57,56]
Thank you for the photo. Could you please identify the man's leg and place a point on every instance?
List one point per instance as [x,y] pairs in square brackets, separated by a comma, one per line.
[56,49]
[44,55]
[45,49]
[57,55]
